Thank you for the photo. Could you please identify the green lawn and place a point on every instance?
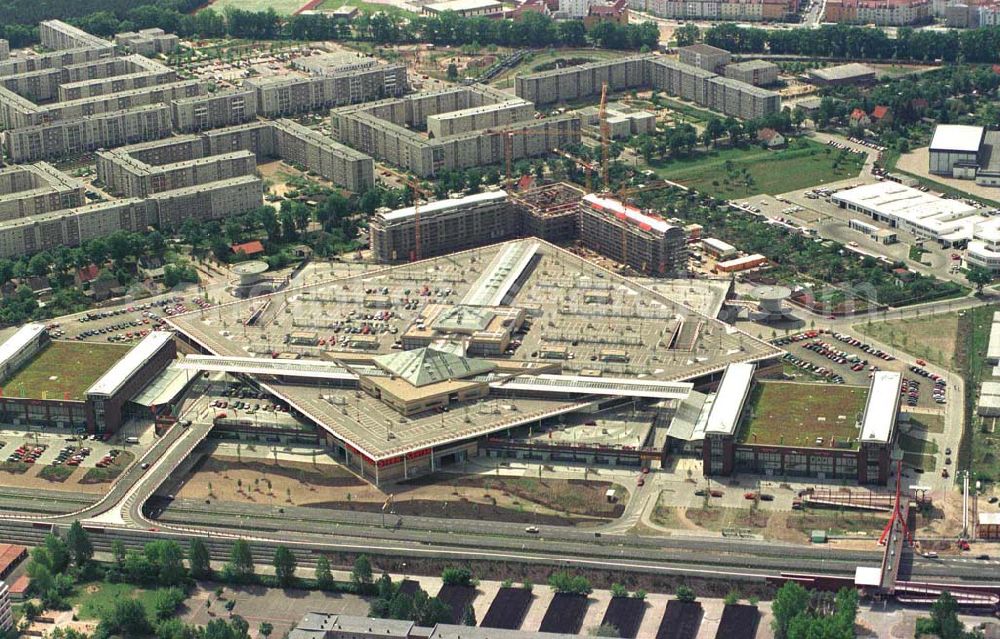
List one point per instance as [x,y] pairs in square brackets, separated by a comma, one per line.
[63,370]
[794,414]
[282,7]
[721,170]
[371,7]
[931,337]
[506,79]
[97,596]
[692,114]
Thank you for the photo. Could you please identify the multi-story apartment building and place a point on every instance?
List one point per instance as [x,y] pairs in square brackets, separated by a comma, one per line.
[34,189]
[446,226]
[730,10]
[704,56]
[214,110]
[147,41]
[57,35]
[130,177]
[878,12]
[756,72]
[75,136]
[340,164]
[645,242]
[334,86]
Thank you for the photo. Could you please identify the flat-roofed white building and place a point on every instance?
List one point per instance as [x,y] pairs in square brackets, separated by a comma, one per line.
[465,8]
[948,222]
[955,148]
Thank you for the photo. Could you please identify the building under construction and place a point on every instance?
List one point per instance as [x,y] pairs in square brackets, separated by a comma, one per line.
[444,227]
[623,233]
[551,212]
[557,213]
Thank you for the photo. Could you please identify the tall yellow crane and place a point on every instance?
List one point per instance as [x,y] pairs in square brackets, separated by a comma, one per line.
[418,192]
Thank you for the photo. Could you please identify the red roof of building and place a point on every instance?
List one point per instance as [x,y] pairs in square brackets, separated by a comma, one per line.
[525,183]
[87,273]
[253,247]
[10,555]
[766,134]
[858,113]
[880,112]
[20,585]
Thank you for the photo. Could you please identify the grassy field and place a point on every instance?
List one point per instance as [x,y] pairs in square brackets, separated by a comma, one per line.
[932,337]
[101,475]
[282,7]
[980,449]
[371,7]
[91,599]
[721,171]
[930,423]
[797,414]
[692,114]
[63,370]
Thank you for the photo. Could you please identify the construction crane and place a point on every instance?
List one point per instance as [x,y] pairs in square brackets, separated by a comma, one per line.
[508,154]
[602,115]
[418,192]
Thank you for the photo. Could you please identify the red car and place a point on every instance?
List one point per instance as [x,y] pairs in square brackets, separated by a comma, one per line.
[750,495]
[641,481]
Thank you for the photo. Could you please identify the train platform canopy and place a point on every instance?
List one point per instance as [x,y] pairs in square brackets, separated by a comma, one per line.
[165,387]
[732,394]
[881,408]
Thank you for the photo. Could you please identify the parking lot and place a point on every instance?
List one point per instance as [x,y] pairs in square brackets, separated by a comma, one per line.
[124,324]
[55,451]
[846,359]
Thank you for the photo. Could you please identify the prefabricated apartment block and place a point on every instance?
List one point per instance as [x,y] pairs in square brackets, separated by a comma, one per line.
[390,130]
[645,242]
[705,88]
[337,84]
[33,189]
[446,226]
[213,111]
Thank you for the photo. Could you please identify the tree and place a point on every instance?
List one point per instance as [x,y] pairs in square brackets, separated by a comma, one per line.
[469,616]
[604,630]
[687,34]
[564,582]
[284,566]
[943,621]
[790,600]
[118,552]
[456,576]
[324,578]
[167,559]
[732,597]
[166,601]
[978,277]
[240,566]
[685,593]
[199,560]
[618,590]
[452,72]
[126,617]
[265,629]
[79,544]
[361,574]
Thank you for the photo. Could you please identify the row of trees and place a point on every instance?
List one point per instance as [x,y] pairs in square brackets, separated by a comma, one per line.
[534,30]
[804,614]
[845,41]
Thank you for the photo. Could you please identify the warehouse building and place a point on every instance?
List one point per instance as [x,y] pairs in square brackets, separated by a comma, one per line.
[759,73]
[446,226]
[842,74]
[645,242]
[704,56]
[966,152]
[947,222]
[465,8]
[213,111]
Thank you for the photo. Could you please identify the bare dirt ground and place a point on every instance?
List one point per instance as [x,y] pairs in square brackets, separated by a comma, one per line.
[30,479]
[327,485]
